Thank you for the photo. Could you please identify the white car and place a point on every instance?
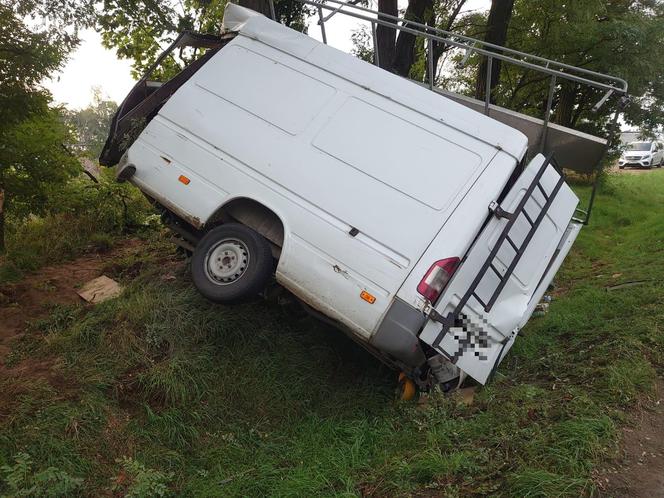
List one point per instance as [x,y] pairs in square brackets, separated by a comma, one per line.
[646,154]
[414,223]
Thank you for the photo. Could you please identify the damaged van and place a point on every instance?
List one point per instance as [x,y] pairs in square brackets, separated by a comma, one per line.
[419,226]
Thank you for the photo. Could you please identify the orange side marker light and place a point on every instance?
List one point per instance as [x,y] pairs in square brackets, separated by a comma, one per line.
[184,179]
[368,297]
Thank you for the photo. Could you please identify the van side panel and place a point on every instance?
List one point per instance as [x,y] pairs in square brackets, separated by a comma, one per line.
[327,156]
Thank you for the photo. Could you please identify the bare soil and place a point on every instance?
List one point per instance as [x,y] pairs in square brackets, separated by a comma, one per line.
[33,297]
[639,470]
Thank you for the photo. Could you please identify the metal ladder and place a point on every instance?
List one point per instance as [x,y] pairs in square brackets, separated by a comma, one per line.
[489,264]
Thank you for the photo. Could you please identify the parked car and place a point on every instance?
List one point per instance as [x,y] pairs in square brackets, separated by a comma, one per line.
[647,154]
[414,223]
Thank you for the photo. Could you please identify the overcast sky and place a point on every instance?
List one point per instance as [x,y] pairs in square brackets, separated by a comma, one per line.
[91,65]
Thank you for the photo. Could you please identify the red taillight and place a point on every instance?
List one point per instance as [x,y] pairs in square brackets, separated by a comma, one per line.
[437,277]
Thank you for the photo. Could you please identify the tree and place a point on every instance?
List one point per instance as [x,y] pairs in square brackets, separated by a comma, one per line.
[496,34]
[141,30]
[400,53]
[34,161]
[420,11]
[32,135]
[91,124]
[385,35]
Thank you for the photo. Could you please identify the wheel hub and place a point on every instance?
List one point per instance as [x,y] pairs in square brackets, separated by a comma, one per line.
[227,261]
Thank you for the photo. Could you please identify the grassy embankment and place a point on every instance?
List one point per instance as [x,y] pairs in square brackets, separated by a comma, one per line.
[167,393]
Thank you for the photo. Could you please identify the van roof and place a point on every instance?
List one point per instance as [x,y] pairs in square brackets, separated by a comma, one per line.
[253,25]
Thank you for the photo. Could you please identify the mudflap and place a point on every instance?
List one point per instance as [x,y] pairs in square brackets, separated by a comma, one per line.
[506,272]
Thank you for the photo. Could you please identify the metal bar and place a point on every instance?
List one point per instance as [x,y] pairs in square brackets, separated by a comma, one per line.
[272,11]
[487,88]
[541,189]
[547,114]
[424,30]
[602,101]
[482,303]
[614,128]
[511,242]
[322,25]
[526,241]
[432,75]
[528,218]
[375,44]
[495,270]
[337,9]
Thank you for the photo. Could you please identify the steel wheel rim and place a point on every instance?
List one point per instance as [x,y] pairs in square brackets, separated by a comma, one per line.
[227,261]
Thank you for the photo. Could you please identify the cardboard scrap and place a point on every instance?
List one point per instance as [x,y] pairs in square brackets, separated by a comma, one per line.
[100,289]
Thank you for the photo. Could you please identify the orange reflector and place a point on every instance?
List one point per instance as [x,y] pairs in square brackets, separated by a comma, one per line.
[184,179]
[368,297]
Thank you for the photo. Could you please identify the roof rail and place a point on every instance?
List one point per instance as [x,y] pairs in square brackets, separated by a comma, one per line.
[537,130]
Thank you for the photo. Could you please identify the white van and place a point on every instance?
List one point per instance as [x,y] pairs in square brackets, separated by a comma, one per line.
[646,154]
[408,219]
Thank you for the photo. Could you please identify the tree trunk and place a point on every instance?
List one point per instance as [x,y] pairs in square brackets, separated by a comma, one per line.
[404,56]
[262,6]
[440,48]
[2,221]
[385,36]
[565,107]
[496,33]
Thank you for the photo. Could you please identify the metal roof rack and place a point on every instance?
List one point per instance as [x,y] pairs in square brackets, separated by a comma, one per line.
[575,150]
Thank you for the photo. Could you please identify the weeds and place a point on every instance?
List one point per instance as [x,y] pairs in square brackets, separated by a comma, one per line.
[82,216]
[21,480]
[137,481]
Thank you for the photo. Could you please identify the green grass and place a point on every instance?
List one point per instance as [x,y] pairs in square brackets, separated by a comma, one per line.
[159,391]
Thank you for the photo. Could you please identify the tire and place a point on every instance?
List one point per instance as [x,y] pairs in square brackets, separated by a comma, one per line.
[231,263]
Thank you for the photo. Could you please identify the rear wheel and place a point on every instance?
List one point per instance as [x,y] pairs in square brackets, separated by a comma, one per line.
[231,263]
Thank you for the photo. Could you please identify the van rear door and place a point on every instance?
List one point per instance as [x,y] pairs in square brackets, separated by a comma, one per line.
[506,271]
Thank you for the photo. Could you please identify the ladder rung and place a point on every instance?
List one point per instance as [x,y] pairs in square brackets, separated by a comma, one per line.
[541,189]
[511,242]
[528,218]
[495,270]
[479,300]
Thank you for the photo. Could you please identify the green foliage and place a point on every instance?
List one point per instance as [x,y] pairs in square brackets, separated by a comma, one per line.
[91,124]
[362,44]
[33,155]
[20,480]
[140,30]
[137,481]
[34,162]
[616,37]
[79,216]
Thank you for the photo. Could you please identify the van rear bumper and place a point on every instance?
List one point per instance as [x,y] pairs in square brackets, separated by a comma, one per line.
[396,335]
